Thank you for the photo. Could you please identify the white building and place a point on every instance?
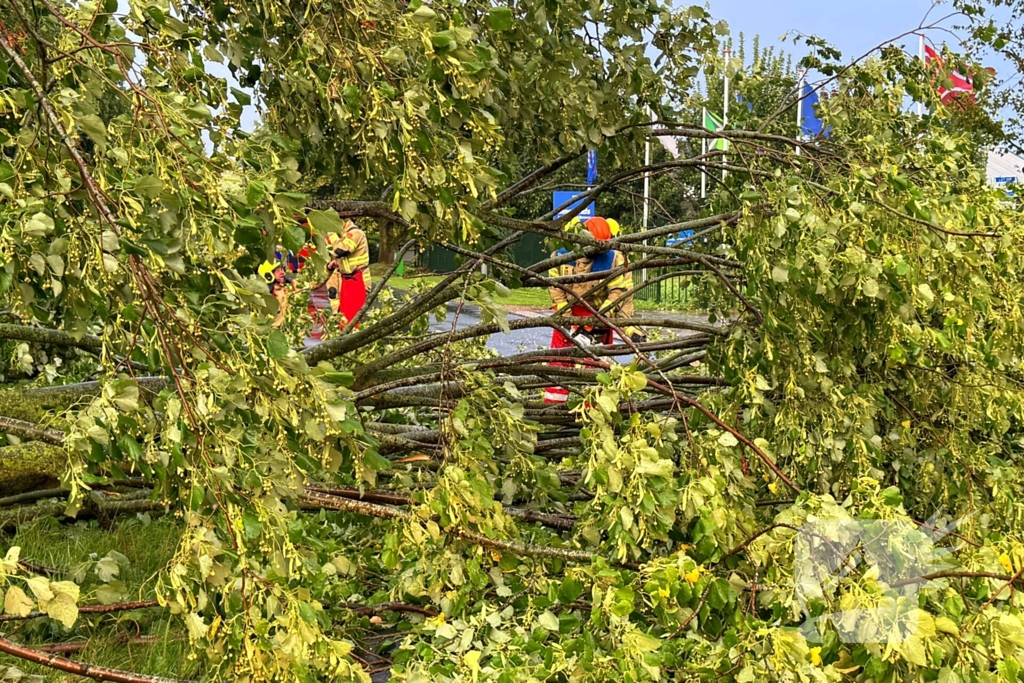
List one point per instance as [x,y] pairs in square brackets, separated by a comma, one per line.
[1003,168]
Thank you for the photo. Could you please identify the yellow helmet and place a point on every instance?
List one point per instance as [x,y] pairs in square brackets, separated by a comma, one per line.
[267,269]
[614,225]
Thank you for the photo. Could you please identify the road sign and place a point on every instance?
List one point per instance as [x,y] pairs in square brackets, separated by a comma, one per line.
[1003,181]
[684,237]
[563,197]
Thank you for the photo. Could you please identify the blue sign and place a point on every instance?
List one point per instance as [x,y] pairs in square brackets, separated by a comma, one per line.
[591,167]
[684,237]
[565,197]
[1005,180]
[810,123]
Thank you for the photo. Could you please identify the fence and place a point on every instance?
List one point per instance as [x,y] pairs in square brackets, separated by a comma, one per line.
[668,288]
[528,250]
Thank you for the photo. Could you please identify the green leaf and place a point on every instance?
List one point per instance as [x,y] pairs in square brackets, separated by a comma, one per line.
[307,612]
[324,222]
[241,97]
[93,126]
[62,607]
[375,462]
[500,19]
[39,225]
[444,40]
[548,621]
[109,241]
[569,590]
[780,274]
[291,201]
[293,238]
[196,498]
[720,594]
[344,379]
[17,603]
[423,14]
[277,345]
[124,393]
[149,186]
[40,586]
[892,496]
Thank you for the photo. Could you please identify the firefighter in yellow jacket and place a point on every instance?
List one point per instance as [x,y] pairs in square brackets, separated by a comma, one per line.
[349,280]
[613,299]
[280,287]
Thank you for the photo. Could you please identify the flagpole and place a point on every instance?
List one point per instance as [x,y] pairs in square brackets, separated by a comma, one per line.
[703,151]
[647,176]
[920,53]
[647,186]
[725,108]
[799,105]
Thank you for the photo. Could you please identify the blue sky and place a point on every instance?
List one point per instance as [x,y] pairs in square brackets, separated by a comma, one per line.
[852,26]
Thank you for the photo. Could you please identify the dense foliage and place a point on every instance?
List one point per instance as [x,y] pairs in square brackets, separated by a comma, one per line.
[402,497]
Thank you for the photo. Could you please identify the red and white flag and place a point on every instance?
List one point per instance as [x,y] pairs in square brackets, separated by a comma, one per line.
[960,83]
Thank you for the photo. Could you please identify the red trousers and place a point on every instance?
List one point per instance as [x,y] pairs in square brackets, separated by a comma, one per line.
[353,295]
[560,341]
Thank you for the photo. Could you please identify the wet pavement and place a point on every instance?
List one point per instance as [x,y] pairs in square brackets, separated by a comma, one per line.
[519,341]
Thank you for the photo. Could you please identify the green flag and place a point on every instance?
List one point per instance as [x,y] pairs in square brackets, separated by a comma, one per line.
[400,270]
[713,124]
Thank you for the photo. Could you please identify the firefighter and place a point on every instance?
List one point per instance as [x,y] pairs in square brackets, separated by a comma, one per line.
[349,281]
[611,299]
[620,299]
[279,284]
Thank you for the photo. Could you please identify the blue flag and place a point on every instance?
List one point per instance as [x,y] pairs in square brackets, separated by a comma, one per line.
[591,167]
[810,123]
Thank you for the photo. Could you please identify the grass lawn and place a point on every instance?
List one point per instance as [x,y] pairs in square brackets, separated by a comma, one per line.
[518,297]
[145,640]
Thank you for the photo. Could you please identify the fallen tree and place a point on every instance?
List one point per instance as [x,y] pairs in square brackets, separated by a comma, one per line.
[859,362]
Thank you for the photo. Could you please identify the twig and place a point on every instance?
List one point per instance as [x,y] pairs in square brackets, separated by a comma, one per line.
[392,607]
[693,615]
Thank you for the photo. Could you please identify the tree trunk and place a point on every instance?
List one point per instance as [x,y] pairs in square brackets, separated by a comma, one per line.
[392,236]
[30,466]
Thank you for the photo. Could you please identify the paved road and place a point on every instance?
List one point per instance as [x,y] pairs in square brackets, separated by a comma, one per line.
[518,341]
[514,342]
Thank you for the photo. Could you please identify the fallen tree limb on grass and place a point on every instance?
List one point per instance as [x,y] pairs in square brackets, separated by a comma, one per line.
[554,521]
[97,673]
[515,547]
[89,609]
[91,508]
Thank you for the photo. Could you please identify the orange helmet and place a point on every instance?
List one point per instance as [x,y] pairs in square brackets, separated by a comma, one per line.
[599,228]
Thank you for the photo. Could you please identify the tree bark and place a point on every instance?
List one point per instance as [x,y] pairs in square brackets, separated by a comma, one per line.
[97,673]
[30,466]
